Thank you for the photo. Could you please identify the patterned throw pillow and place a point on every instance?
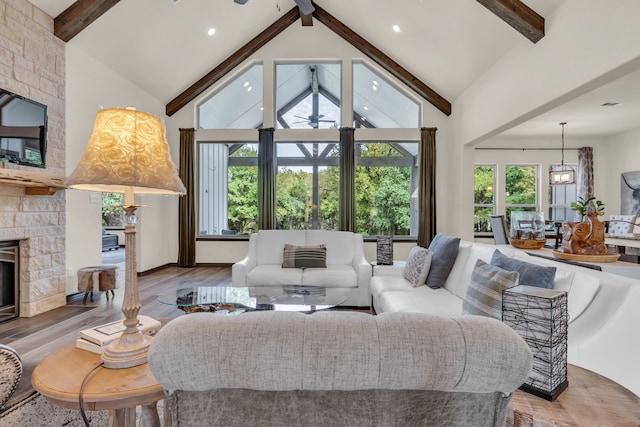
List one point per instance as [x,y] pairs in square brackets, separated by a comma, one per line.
[314,256]
[530,274]
[484,293]
[417,267]
[445,252]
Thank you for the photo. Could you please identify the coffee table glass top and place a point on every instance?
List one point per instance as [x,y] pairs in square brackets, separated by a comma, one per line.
[237,300]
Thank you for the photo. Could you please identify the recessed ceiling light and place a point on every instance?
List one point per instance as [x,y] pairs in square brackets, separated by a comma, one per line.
[249,89]
[245,84]
[366,108]
[211,31]
[396,28]
[374,87]
[612,104]
[375,83]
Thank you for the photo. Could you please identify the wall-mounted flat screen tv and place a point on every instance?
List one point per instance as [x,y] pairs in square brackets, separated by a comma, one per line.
[23,130]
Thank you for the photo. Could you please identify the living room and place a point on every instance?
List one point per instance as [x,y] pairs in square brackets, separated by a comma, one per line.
[518,83]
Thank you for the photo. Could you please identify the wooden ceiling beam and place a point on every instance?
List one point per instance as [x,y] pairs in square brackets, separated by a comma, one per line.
[520,16]
[232,61]
[382,60]
[79,16]
[307,20]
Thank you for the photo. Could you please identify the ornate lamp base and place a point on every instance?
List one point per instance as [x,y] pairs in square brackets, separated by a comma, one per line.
[120,355]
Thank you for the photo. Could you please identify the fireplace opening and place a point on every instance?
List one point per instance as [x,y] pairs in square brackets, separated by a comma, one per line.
[9,280]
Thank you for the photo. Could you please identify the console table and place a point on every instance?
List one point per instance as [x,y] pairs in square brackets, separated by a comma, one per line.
[590,400]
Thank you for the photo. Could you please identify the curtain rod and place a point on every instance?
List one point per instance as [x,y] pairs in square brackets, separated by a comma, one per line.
[524,149]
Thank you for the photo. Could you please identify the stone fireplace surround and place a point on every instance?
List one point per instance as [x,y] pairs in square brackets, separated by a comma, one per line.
[32,64]
[38,222]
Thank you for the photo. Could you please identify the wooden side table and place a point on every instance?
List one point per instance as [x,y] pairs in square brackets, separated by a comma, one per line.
[58,377]
[590,400]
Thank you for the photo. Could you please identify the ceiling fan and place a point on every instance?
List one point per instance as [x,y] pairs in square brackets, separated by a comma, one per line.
[305,6]
[312,120]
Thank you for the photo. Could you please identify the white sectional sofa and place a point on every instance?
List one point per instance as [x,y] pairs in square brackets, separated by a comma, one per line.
[604,309]
[347,269]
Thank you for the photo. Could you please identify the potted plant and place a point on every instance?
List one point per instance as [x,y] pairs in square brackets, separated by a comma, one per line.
[587,236]
[582,205]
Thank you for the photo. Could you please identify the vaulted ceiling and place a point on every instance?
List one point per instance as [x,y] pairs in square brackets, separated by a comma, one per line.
[162,46]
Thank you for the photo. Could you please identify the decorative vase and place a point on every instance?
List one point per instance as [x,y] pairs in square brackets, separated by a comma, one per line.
[384,250]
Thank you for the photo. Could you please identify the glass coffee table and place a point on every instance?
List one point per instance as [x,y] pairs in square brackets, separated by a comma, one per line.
[234,300]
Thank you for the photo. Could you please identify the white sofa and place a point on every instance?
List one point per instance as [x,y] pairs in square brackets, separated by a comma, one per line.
[604,308]
[347,269]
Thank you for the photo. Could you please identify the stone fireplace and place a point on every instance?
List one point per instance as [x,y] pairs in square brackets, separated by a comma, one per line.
[32,64]
[9,279]
[36,224]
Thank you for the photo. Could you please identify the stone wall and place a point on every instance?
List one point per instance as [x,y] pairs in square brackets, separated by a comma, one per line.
[32,64]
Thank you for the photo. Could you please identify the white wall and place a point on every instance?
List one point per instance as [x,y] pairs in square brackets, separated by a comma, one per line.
[588,43]
[91,86]
[617,154]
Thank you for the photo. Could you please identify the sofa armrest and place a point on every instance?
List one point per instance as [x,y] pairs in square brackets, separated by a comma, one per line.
[240,269]
[388,270]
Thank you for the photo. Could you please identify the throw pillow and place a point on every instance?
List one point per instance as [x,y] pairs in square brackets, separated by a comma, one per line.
[444,252]
[484,293]
[314,256]
[417,266]
[530,274]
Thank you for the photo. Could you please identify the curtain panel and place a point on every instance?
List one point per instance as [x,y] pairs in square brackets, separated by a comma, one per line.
[585,172]
[347,205]
[267,172]
[186,203]
[427,187]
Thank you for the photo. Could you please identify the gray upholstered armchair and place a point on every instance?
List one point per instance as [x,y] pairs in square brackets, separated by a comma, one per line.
[338,368]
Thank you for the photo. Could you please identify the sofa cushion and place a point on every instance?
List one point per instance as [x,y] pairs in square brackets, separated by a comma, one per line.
[484,293]
[423,299]
[530,274]
[621,225]
[445,251]
[314,256]
[334,276]
[273,274]
[340,244]
[417,267]
[270,244]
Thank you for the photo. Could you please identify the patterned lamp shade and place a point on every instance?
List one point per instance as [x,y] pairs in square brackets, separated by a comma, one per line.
[539,316]
[128,150]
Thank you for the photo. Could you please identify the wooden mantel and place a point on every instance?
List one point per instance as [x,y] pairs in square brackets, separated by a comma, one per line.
[35,183]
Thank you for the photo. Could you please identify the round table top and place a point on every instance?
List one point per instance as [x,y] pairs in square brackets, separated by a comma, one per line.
[59,376]
[589,400]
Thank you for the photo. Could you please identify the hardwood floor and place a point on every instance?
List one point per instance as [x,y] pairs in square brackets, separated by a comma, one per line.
[35,337]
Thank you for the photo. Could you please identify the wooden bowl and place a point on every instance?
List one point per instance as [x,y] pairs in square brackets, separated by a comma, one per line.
[528,243]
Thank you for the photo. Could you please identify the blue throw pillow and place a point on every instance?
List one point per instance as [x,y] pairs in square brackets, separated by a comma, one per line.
[444,250]
[530,274]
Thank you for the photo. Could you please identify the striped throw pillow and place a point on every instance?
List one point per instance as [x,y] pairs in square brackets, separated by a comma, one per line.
[314,256]
[484,293]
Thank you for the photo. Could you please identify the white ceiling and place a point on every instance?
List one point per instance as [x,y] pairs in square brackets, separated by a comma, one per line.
[163,47]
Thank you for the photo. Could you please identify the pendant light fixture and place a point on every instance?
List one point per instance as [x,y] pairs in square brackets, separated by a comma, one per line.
[563,174]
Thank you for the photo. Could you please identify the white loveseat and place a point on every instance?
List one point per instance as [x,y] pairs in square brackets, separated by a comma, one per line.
[604,308]
[347,269]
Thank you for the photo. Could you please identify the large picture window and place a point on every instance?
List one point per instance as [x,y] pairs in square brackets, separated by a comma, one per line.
[386,182]
[228,188]
[307,186]
[521,185]
[305,109]
[483,197]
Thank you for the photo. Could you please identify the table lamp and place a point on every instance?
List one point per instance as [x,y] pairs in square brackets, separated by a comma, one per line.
[127,153]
